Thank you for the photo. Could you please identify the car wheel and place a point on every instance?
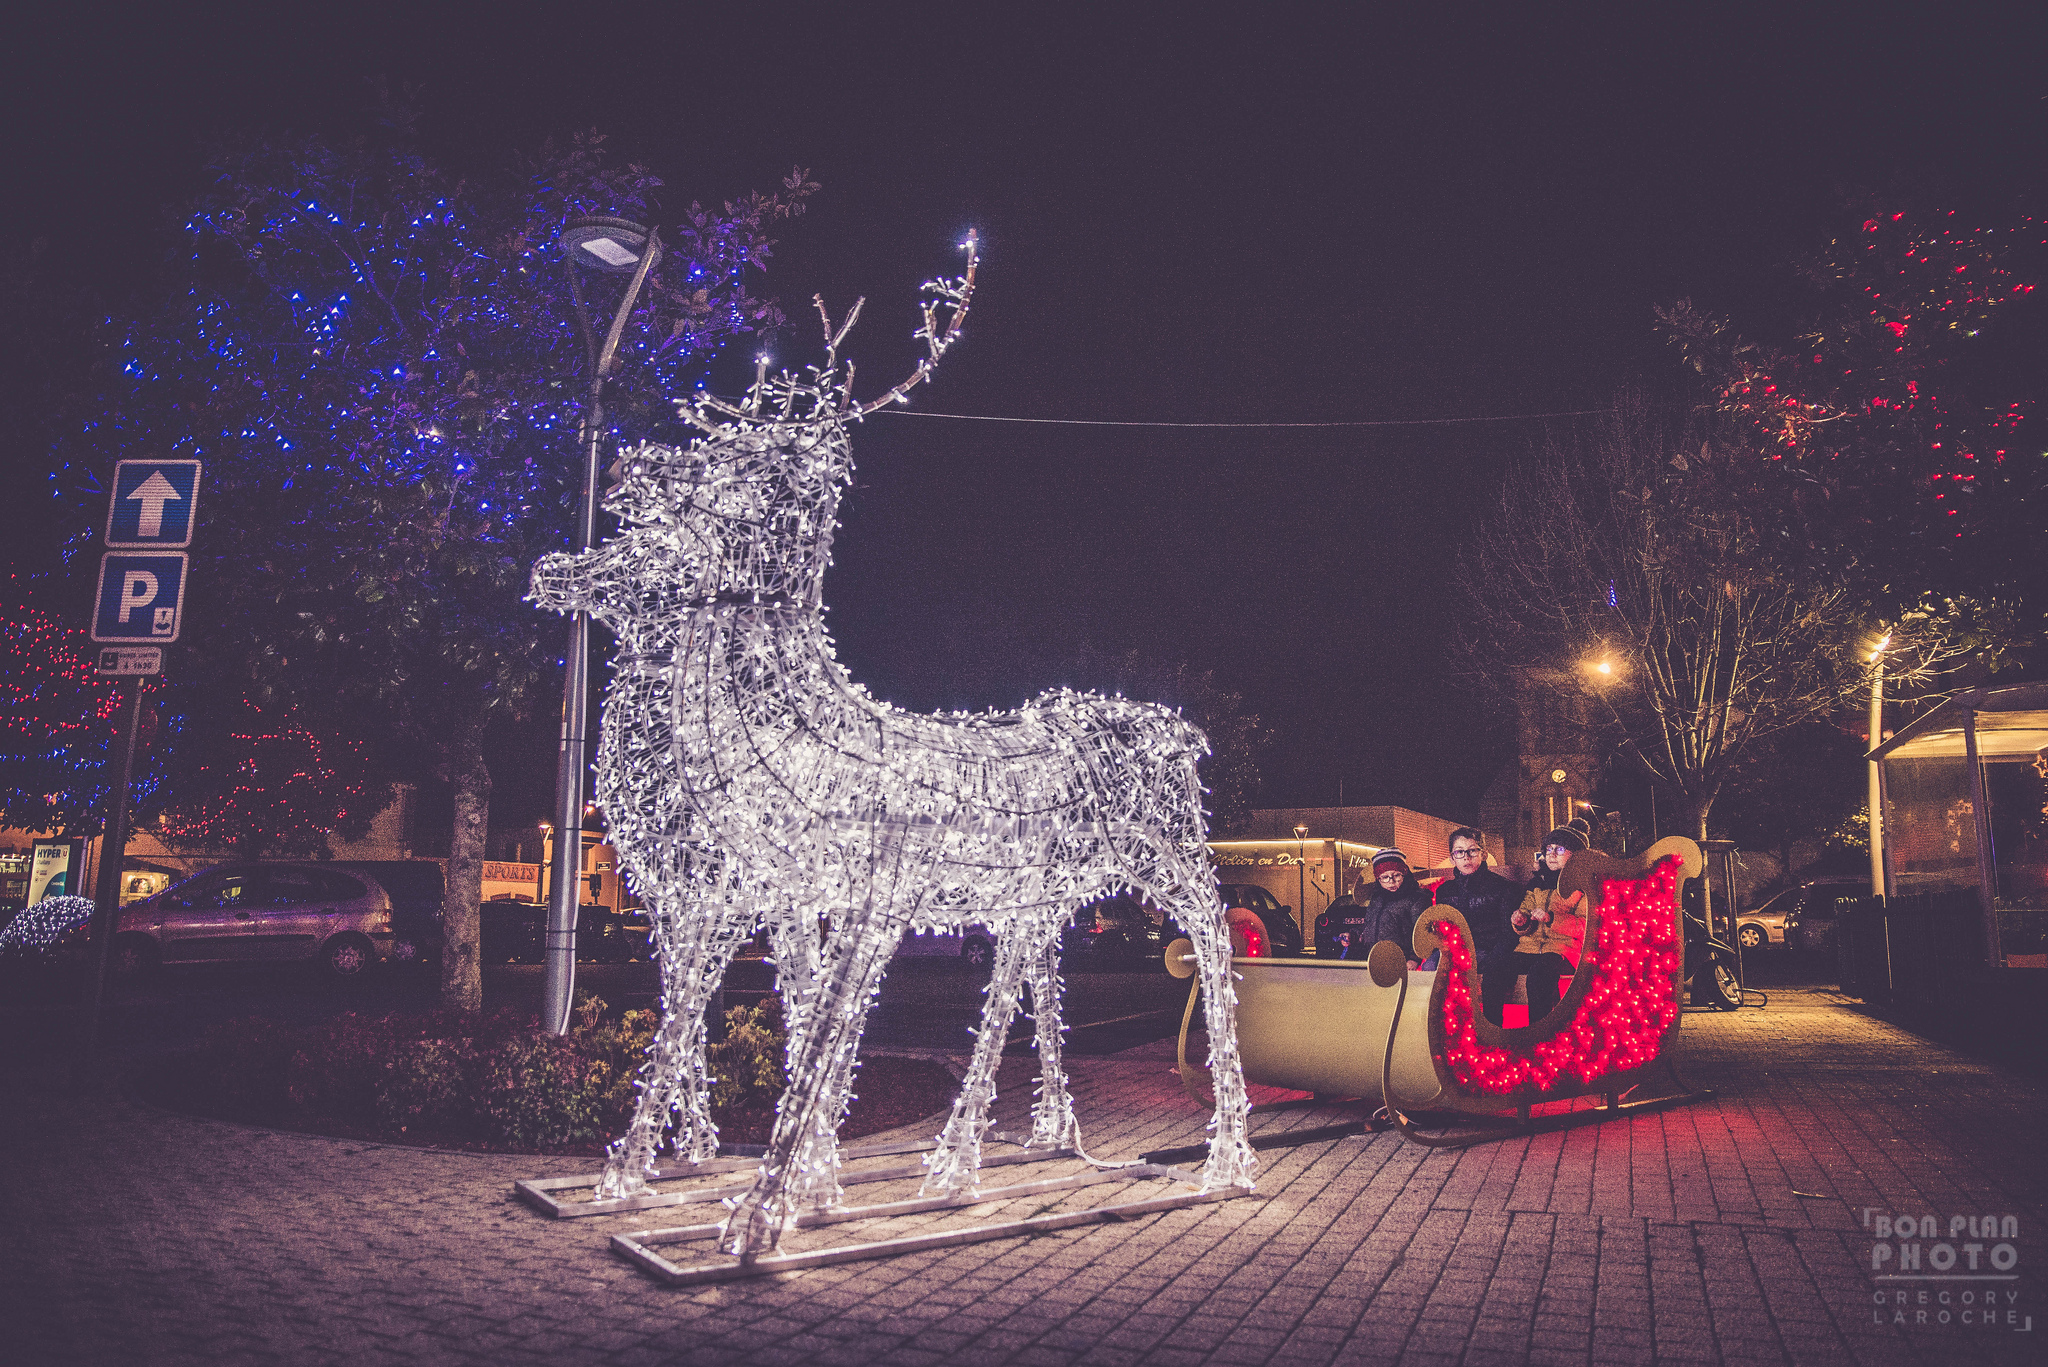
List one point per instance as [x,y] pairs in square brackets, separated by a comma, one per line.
[975,953]
[1751,937]
[347,957]
[135,957]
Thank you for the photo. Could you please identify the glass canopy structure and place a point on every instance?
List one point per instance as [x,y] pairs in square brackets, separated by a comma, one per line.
[1965,795]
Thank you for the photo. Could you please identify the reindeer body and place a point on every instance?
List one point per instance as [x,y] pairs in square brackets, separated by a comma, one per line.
[730,726]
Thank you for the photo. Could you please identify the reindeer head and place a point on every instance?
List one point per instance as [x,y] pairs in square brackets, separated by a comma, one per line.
[747,511]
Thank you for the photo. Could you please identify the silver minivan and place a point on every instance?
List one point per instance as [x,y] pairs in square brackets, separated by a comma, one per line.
[260,913]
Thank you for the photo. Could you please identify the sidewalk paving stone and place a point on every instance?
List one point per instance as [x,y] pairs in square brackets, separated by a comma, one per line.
[134,1235]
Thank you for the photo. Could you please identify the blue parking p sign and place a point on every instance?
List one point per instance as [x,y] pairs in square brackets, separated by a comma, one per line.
[140,597]
[154,505]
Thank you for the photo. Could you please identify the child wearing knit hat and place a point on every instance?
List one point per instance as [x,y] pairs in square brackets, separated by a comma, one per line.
[1549,926]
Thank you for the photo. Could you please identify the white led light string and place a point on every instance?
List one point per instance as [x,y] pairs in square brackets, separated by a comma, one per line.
[750,781]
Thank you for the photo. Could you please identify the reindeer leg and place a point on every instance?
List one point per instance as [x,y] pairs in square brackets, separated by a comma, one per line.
[1052,1115]
[800,1167]
[794,940]
[797,943]
[1201,915]
[630,1160]
[956,1164]
[697,945]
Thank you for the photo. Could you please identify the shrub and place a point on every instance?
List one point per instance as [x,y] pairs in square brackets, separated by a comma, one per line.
[431,1084]
[538,1092]
[342,1066]
[338,1067]
[750,1062]
[465,1076]
[617,1053]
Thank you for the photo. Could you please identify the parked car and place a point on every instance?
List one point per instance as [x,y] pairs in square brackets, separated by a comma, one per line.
[1281,931]
[242,913]
[975,947]
[1120,934]
[416,887]
[1766,924]
[513,930]
[1811,925]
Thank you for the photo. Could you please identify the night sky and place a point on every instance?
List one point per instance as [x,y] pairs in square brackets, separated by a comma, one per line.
[1309,215]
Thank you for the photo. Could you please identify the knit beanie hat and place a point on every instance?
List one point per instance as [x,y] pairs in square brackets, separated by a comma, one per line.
[1389,855]
[1582,826]
[1567,837]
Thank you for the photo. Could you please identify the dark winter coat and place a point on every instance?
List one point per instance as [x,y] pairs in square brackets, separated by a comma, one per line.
[1391,916]
[1343,917]
[1488,902]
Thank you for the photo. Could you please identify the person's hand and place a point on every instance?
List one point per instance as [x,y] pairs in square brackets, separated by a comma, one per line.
[1520,920]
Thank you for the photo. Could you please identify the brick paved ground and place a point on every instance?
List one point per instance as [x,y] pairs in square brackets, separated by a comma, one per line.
[133,1236]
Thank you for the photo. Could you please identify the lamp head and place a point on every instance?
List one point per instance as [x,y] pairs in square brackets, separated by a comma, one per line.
[610,245]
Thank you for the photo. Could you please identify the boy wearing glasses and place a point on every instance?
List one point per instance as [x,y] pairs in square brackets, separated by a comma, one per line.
[1488,903]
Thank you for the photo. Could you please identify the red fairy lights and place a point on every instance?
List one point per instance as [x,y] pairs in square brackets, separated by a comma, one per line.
[1631,998]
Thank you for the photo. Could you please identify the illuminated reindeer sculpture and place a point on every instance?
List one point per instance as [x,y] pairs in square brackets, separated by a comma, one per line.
[731,726]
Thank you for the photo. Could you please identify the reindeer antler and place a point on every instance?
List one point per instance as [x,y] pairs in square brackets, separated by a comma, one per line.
[830,389]
[953,294]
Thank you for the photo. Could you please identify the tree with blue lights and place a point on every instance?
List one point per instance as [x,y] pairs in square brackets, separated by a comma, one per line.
[375,354]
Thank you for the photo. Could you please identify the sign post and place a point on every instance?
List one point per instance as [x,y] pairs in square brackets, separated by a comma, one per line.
[141,599]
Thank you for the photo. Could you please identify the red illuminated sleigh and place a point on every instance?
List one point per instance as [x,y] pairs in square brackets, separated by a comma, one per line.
[1417,1043]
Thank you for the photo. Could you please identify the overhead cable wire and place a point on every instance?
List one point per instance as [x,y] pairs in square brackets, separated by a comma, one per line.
[1368,422]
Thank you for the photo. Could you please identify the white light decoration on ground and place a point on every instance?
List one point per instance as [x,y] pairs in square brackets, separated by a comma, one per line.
[748,780]
[43,924]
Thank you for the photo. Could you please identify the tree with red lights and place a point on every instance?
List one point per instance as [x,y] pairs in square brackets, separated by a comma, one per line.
[236,779]
[1887,440]
[57,721]
[375,354]
[270,785]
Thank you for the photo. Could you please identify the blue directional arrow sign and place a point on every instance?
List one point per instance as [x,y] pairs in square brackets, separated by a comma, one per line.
[155,504]
[140,597]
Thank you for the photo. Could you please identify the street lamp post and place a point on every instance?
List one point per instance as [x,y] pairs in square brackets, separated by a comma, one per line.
[1301,878]
[612,246]
[1875,777]
[540,869]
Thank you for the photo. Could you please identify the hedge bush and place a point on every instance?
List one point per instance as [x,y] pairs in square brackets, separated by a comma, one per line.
[496,1082]
[468,1077]
[749,1066]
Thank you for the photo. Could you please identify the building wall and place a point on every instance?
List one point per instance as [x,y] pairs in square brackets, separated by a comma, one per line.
[1425,839]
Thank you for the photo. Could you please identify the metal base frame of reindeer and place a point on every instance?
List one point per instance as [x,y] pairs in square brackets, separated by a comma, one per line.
[730,723]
